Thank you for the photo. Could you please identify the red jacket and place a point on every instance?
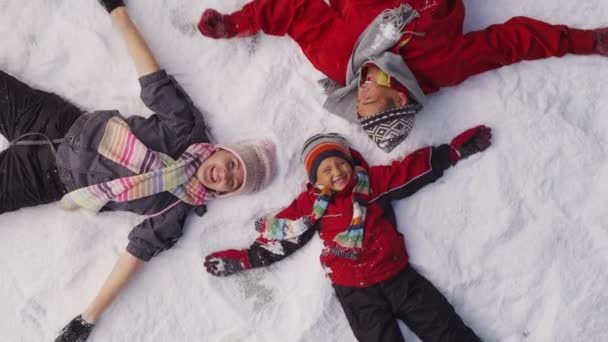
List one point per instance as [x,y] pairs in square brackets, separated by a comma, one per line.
[383,254]
[444,56]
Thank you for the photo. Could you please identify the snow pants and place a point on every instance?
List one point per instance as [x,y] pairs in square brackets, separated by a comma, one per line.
[444,56]
[28,175]
[372,312]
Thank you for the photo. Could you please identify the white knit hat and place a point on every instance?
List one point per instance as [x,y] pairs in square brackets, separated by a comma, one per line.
[258,159]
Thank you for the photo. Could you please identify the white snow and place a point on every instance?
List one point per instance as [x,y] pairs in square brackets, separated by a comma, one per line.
[516,238]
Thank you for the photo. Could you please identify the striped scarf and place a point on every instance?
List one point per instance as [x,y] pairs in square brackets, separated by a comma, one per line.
[348,243]
[156,172]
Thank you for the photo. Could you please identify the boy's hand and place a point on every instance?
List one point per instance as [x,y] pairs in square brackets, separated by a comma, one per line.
[215,25]
[225,263]
[471,141]
[111,5]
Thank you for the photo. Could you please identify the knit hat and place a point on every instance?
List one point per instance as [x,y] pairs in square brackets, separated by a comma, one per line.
[389,128]
[321,146]
[258,159]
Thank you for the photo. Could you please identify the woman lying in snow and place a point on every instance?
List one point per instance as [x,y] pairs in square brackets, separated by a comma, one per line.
[162,166]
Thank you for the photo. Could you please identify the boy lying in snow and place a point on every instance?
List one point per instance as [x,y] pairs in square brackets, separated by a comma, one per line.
[388,54]
[349,204]
[162,166]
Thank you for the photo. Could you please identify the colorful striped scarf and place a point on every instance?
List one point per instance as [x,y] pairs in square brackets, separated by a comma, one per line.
[156,172]
[348,243]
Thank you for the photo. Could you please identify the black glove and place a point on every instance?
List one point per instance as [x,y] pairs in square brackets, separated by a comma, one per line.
[111,5]
[78,330]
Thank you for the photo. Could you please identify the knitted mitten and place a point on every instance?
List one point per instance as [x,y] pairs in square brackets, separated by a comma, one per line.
[471,141]
[215,25]
[77,330]
[227,262]
[601,41]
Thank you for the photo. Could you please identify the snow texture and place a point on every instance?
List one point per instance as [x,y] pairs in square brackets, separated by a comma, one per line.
[516,238]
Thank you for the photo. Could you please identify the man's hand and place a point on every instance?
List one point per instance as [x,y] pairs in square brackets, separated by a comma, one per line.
[215,25]
[225,263]
[111,5]
[471,141]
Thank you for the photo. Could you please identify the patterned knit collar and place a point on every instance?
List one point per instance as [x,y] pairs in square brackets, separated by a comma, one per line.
[389,128]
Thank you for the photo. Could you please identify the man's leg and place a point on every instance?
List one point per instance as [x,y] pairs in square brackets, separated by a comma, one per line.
[425,310]
[369,314]
[518,39]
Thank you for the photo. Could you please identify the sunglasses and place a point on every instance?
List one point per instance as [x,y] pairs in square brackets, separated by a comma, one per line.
[382,78]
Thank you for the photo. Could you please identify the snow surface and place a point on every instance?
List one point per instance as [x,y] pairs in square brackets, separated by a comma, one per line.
[516,238]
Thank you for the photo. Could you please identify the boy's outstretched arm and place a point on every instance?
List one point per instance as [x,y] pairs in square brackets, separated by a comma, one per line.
[263,252]
[404,178]
[142,56]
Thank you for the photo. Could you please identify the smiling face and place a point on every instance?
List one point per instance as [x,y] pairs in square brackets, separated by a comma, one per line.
[222,172]
[334,173]
[374,98]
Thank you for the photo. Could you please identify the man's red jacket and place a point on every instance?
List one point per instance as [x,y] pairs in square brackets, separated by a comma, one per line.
[383,254]
[443,56]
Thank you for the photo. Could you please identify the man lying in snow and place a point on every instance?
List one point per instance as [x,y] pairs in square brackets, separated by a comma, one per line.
[388,54]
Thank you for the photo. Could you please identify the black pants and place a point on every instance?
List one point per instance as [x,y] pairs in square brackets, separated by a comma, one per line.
[28,175]
[373,312]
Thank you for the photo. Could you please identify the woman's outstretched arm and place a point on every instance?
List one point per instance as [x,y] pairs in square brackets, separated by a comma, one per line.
[142,56]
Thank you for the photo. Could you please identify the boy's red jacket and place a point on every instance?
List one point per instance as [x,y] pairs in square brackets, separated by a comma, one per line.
[383,254]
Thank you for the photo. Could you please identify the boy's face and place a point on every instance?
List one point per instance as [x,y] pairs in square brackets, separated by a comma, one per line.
[334,173]
[374,98]
[222,172]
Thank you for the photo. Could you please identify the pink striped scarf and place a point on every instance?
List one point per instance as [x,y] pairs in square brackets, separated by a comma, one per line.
[155,172]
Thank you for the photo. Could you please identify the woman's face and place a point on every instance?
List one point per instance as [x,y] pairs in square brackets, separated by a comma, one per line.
[222,172]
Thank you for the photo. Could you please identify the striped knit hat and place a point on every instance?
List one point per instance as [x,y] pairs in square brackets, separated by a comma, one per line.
[321,146]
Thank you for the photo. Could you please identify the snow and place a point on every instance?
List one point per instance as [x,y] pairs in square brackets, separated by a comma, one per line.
[516,238]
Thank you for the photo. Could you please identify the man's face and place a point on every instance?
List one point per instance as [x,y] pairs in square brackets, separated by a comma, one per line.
[222,172]
[334,173]
[374,98]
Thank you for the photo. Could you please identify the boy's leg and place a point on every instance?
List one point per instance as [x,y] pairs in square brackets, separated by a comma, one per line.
[369,314]
[424,309]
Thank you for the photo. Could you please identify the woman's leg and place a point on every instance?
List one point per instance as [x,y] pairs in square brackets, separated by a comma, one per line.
[28,175]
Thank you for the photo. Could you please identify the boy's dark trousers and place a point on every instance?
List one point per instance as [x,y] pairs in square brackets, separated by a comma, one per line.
[372,312]
[28,175]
